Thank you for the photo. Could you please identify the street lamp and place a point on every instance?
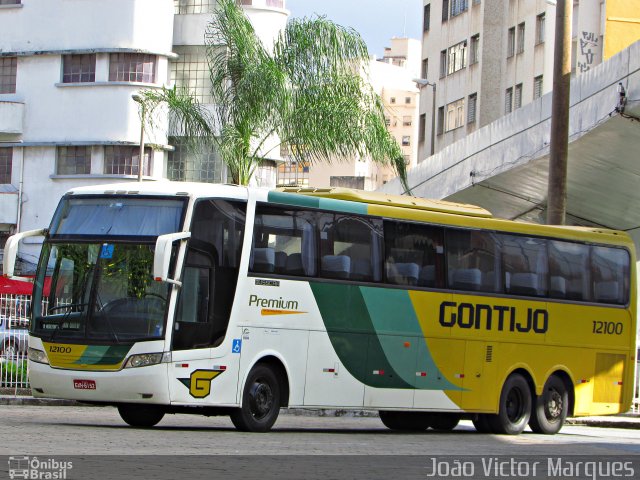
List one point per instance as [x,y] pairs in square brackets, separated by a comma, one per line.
[423,82]
[138,99]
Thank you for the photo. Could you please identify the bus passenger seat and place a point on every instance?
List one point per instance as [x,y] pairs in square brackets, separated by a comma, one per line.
[467,279]
[294,264]
[526,284]
[336,266]
[361,269]
[558,287]
[281,261]
[607,291]
[264,260]
[403,273]
[427,276]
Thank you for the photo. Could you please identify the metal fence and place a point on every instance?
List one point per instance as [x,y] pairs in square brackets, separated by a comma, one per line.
[14,342]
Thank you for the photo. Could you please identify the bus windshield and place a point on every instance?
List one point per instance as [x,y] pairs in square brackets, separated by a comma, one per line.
[99,257]
[99,292]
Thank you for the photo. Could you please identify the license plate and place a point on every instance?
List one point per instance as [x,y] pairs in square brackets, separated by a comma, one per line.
[84,384]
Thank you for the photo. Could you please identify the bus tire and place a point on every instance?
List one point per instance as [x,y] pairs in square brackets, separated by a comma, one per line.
[260,401]
[515,407]
[405,421]
[481,423]
[550,409]
[444,422]
[141,416]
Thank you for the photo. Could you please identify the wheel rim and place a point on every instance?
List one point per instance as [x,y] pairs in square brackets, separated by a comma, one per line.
[515,405]
[260,399]
[554,405]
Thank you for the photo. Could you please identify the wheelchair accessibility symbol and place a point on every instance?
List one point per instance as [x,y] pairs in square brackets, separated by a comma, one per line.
[237,345]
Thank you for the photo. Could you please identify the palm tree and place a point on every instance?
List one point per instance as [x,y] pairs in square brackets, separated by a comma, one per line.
[308,93]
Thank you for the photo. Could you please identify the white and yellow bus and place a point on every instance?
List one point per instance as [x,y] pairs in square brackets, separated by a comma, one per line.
[223,300]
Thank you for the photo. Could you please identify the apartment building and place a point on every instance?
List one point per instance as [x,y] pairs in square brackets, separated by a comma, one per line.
[68,70]
[487,58]
[392,77]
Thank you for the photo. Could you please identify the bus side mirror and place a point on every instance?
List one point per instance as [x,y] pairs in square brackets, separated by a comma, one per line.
[162,256]
[11,252]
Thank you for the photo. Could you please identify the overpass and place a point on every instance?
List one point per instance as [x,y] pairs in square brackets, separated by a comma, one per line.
[503,166]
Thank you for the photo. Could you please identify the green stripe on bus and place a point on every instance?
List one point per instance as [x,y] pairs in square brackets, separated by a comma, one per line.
[396,324]
[353,336]
[103,355]
[308,201]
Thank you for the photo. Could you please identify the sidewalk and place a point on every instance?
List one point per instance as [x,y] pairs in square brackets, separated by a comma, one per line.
[625,420]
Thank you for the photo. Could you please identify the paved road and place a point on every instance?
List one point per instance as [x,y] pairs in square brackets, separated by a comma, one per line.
[87,431]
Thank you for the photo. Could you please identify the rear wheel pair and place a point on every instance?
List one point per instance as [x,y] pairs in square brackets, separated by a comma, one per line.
[545,413]
[419,421]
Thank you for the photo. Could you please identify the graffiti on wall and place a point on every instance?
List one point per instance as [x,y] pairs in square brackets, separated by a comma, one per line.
[588,45]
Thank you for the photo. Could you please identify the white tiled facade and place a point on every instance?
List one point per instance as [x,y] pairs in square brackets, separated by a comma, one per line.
[68,69]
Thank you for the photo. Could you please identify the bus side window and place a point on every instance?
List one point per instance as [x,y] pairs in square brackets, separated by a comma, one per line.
[284,242]
[473,260]
[569,273]
[414,254]
[350,247]
[525,265]
[610,274]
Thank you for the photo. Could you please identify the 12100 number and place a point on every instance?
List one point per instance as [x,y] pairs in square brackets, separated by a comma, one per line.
[607,328]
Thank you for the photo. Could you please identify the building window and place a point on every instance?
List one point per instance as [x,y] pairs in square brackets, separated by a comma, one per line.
[471,108]
[537,87]
[458,7]
[474,50]
[10,2]
[520,38]
[445,10]
[508,100]
[78,68]
[443,63]
[191,71]
[8,73]
[188,165]
[183,7]
[511,42]
[132,67]
[422,125]
[517,100]
[6,160]
[407,100]
[540,28]
[455,115]
[392,100]
[73,161]
[425,68]
[456,57]
[124,160]
[406,121]
[406,140]
[293,173]
[426,20]
[387,121]
[440,120]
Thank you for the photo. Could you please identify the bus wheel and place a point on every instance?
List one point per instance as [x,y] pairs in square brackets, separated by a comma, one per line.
[550,409]
[444,422]
[260,401]
[141,416]
[482,423]
[515,407]
[407,421]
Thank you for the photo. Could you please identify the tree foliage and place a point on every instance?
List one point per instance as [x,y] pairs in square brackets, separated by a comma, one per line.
[309,92]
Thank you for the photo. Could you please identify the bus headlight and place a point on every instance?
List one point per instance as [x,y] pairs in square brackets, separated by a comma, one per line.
[37,356]
[143,360]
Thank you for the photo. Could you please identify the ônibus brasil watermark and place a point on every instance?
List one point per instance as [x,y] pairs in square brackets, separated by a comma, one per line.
[35,468]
